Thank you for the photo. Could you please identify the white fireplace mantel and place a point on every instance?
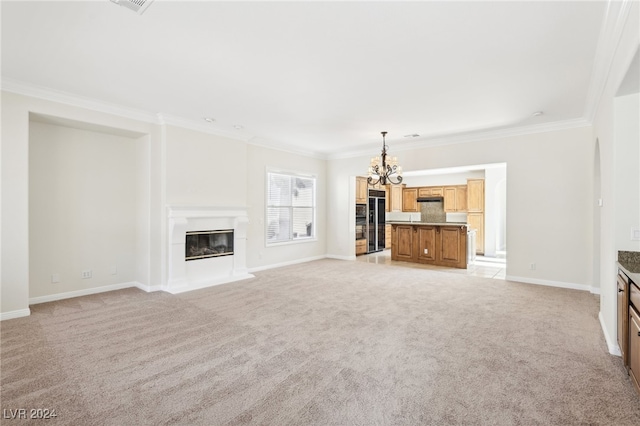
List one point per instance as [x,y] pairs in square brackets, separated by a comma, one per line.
[191,275]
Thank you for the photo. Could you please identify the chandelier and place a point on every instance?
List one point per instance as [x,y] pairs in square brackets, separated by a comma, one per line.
[384,170]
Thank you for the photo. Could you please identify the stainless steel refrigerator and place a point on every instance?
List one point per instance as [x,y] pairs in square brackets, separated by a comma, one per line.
[376,221]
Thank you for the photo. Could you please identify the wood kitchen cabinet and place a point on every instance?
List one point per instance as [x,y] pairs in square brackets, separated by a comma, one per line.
[387,236]
[476,221]
[629,325]
[431,191]
[361,190]
[402,242]
[431,244]
[623,315]
[475,195]
[634,347]
[455,198]
[394,197]
[410,200]
[361,247]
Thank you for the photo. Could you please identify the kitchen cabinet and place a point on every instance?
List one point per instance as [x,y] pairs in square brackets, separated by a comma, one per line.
[361,190]
[455,198]
[402,242]
[476,221]
[629,324]
[475,195]
[431,191]
[410,200]
[387,236]
[394,197]
[361,246]
[634,346]
[623,315]
[444,245]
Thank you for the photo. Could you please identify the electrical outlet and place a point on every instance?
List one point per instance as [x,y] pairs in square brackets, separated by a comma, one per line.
[55,278]
[532,266]
[86,274]
[635,234]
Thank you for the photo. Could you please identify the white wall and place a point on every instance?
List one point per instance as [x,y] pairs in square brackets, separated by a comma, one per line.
[205,169]
[82,209]
[627,170]
[548,181]
[259,159]
[604,132]
[494,209]
[16,109]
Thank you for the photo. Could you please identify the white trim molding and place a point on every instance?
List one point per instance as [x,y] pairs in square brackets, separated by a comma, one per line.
[612,345]
[15,314]
[84,292]
[288,263]
[549,283]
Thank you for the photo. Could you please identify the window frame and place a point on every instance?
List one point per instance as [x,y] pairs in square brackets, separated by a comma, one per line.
[267,206]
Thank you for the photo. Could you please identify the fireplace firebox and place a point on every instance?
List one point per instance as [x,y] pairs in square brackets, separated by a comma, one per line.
[205,244]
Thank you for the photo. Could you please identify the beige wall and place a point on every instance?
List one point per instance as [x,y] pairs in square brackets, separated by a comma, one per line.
[83,194]
[548,200]
[259,159]
[204,169]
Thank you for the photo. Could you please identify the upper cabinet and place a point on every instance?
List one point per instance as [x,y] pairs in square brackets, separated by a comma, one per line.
[431,191]
[361,190]
[394,198]
[455,198]
[475,195]
[410,200]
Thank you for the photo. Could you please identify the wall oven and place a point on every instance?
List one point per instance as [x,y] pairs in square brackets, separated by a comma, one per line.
[361,221]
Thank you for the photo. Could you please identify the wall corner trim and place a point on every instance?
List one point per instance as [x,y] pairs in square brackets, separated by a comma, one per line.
[614,349]
[15,314]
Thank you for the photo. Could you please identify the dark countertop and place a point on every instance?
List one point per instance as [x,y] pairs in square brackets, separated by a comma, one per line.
[406,222]
[631,269]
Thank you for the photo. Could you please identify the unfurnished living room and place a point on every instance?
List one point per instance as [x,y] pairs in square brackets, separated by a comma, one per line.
[320,212]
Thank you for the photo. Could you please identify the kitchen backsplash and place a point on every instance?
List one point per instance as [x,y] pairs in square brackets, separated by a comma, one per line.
[432,212]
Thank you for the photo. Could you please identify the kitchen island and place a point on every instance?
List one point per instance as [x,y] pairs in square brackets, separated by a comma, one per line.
[439,243]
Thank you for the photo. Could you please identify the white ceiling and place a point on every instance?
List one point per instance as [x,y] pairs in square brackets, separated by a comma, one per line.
[321,77]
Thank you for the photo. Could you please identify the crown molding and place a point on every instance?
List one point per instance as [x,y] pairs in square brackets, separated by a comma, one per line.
[21,88]
[476,136]
[196,125]
[290,149]
[612,26]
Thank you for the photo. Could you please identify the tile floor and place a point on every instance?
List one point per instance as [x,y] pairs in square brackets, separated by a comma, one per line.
[488,267]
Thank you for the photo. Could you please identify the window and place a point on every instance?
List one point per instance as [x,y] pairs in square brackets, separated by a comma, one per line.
[291,207]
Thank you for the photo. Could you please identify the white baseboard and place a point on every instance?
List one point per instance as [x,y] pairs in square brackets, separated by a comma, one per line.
[15,314]
[147,288]
[289,263]
[550,283]
[83,292]
[614,349]
[339,257]
[197,285]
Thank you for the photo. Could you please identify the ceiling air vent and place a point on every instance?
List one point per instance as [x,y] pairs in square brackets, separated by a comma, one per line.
[138,6]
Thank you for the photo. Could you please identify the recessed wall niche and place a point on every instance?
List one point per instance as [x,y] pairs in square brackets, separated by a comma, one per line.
[87,201]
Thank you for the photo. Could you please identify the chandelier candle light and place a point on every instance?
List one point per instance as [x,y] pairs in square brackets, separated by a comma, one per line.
[383,170]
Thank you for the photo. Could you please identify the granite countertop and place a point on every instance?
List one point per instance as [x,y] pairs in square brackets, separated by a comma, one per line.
[629,262]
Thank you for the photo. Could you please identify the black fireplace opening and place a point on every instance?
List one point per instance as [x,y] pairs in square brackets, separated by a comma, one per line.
[204,244]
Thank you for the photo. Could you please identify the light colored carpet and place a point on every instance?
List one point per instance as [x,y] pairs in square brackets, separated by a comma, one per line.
[323,343]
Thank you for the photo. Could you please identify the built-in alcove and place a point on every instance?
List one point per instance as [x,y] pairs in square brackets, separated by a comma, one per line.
[88,207]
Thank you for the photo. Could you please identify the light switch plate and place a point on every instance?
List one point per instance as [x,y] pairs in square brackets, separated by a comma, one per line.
[635,234]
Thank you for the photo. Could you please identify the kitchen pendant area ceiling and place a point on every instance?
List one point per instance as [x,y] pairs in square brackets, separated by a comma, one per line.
[316,77]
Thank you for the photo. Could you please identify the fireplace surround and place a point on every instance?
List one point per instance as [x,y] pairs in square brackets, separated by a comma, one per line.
[207,246]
